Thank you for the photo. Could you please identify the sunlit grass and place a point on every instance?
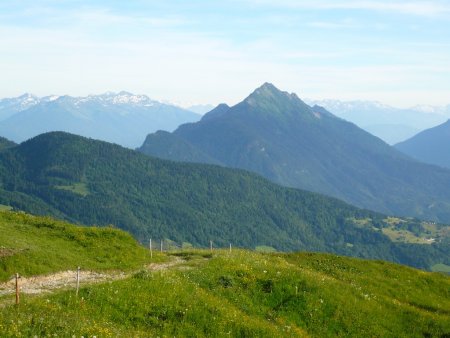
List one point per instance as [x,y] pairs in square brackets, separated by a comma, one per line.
[205,293]
[33,245]
[247,294]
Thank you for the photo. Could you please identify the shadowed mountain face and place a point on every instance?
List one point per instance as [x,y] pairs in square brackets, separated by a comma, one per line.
[121,118]
[277,135]
[430,146]
[95,182]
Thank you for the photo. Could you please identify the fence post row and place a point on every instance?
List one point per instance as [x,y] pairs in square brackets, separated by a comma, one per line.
[79,268]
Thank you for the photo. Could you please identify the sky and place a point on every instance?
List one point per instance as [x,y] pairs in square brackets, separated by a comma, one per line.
[206,51]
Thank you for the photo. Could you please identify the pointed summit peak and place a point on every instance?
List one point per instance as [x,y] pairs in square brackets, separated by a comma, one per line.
[269,92]
[267,89]
[271,100]
[268,86]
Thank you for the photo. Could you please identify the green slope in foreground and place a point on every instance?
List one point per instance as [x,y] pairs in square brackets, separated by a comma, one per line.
[238,294]
[33,245]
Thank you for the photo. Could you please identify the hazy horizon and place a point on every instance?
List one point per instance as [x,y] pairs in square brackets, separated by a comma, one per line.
[187,104]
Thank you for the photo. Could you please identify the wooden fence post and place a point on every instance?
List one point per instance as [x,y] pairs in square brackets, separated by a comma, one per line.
[210,246]
[17,289]
[78,280]
[151,251]
[230,247]
[161,245]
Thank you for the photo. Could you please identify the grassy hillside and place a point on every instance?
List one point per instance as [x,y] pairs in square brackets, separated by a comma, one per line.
[33,245]
[93,182]
[246,294]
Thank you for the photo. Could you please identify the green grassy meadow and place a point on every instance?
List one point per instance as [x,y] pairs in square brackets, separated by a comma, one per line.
[240,293]
[32,245]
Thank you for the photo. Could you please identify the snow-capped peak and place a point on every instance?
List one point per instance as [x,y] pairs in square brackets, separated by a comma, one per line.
[423,108]
[124,97]
[119,98]
[21,102]
[28,100]
[50,98]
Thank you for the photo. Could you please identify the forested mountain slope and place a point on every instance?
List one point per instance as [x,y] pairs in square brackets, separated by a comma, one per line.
[95,182]
[277,135]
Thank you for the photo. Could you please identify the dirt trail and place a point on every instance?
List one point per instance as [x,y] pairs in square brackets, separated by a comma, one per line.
[67,279]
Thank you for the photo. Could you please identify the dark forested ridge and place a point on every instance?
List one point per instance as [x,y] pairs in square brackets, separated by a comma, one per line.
[5,143]
[95,182]
[277,135]
[164,143]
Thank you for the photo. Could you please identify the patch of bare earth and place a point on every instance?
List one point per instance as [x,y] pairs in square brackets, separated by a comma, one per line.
[68,279]
[5,252]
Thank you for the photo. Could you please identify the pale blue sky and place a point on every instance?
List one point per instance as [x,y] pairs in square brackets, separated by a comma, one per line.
[396,52]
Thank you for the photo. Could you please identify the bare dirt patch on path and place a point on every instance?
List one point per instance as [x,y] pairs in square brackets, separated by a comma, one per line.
[68,279]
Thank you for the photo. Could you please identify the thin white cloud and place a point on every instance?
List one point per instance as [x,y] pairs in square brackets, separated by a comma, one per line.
[86,17]
[186,66]
[419,8]
[96,49]
[422,8]
[331,25]
[105,17]
[293,55]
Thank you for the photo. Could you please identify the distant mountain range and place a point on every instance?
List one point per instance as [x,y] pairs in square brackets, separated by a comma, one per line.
[391,124]
[277,135]
[430,146]
[121,118]
[95,182]
[126,119]
[10,106]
